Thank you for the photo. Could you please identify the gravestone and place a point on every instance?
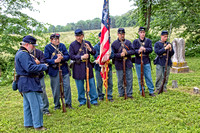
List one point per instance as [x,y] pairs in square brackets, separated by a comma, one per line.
[196,90]
[174,84]
[179,65]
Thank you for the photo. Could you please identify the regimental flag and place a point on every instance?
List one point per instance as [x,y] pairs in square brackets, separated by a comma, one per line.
[105,49]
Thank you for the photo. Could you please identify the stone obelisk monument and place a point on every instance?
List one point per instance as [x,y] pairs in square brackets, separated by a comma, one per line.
[179,65]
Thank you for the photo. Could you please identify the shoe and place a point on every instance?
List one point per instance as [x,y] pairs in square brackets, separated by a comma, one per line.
[96,104]
[69,106]
[111,100]
[56,108]
[47,113]
[28,126]
[131,97]
[80,105]
[152,94]
[156,91]
[121,96]
[101,99]
[40,129]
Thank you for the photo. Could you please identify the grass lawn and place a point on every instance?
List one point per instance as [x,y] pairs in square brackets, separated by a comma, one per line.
[178,110]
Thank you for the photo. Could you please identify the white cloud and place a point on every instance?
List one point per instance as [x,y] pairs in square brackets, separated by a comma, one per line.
[61,12]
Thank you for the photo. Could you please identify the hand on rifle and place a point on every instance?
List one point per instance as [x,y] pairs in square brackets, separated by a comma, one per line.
[124,50]
[58,60]
[88,47]
[37,61]
[123,54]
[85,56]
[60,56]
[142,49]
[168,47]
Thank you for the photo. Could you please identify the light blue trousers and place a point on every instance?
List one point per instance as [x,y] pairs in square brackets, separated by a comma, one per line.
[147,76]
[81,91]
[32,103]
[55,87]
[160,76]
[129,80]
[100,84]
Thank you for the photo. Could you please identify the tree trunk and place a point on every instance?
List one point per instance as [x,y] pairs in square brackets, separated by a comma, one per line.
[149,15]
[145,11]
[0,71]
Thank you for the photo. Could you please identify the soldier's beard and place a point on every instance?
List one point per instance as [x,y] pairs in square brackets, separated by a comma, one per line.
[30,49]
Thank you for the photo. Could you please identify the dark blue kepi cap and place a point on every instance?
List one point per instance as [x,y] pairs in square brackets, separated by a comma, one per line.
[164,32]
[121,30]
[78,32]
[55,35]
[141,29]
[29,39]
[99,34]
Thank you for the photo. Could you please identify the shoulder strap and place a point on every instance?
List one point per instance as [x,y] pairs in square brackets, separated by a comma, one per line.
[123,45]
[142,44]
[81,48]
[57,49]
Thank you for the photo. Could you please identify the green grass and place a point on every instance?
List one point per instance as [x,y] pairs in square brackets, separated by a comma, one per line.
[174,111]
[131,34]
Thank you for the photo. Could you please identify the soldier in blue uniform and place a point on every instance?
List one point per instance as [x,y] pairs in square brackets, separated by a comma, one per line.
[29,84]
[55,53]
[77,51]
[39,59]
[161,48]
[98,75]
[143,44]
[121,52]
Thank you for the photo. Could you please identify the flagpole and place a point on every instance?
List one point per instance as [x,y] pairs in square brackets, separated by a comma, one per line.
[107,62]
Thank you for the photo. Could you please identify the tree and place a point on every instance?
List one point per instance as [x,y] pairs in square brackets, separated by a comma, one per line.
[14,24]
[13,21]
[159,14]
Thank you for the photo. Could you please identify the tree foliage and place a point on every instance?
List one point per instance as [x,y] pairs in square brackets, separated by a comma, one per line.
[14,24]
[116,21]
[181,13]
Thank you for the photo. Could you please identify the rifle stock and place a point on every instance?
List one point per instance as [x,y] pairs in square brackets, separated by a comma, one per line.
[142,76]
[165,74]
[124,74]
[61,89]
[87,81]
[124,78]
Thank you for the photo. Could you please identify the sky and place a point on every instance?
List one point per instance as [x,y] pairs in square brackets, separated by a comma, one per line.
[61,12]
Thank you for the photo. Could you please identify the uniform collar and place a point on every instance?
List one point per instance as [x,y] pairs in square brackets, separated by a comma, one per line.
[142,40]
[24,49]
[57,46]
[79,42]
[163,42]
[122,40]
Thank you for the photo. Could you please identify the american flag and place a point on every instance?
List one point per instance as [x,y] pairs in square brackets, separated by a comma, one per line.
[105,40]
[105,35]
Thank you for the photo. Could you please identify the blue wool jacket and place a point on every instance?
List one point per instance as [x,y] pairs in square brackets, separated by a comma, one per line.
[117,54]
[79,70]
[159,49]
[50,59]
[136,47]
[28,71]
[40,56]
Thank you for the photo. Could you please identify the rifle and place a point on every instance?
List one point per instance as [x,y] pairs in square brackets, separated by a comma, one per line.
[124,74]
[61,89]
[166,64]
[87,79]
[142,74]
